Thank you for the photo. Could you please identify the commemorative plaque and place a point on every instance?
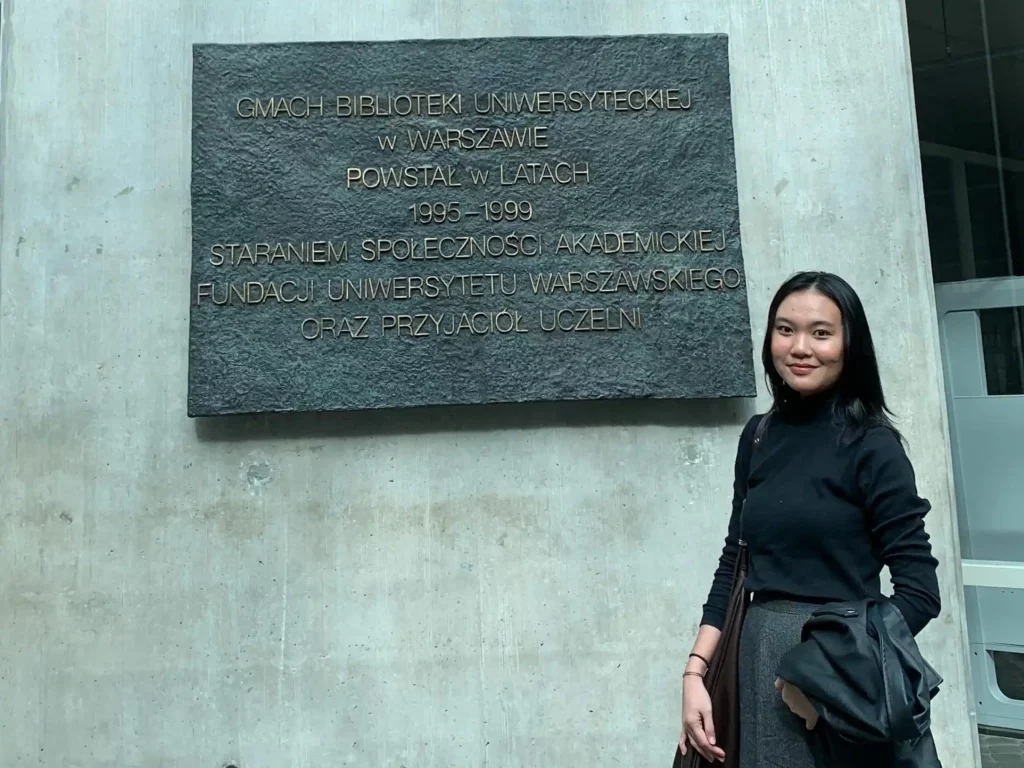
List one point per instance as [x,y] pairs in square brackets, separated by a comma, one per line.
[437,222]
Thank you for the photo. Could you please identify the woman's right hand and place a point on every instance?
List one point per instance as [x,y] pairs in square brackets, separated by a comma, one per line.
[698,727]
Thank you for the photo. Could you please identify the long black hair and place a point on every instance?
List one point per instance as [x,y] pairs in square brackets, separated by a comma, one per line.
[860,402]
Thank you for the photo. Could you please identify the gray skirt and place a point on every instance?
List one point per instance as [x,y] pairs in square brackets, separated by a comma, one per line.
[770,735]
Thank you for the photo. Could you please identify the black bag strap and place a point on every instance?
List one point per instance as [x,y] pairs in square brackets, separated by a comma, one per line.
[759,431]
[762,425]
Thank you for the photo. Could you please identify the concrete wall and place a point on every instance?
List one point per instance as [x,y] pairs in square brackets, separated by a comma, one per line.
[508,586]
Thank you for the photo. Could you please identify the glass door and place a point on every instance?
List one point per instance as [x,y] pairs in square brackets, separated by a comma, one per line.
[968,65]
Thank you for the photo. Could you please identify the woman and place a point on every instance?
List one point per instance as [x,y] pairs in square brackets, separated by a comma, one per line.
[830,499]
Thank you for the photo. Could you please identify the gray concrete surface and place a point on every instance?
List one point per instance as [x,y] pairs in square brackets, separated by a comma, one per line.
[501,587]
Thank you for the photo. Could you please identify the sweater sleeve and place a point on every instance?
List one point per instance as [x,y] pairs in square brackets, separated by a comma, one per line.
[718,598]
[896,515]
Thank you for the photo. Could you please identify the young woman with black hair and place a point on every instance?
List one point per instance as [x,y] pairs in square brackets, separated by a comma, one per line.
[830,498]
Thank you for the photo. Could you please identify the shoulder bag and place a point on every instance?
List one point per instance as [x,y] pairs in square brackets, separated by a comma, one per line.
[722,678]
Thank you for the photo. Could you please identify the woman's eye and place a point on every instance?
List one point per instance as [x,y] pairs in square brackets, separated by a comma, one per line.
[822,334]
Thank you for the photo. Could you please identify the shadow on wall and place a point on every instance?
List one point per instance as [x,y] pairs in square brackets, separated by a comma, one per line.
[696,414]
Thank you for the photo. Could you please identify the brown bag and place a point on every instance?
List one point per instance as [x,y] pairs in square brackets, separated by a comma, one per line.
[722,678]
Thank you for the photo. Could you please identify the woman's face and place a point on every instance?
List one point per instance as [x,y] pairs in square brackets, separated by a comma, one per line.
[807,342]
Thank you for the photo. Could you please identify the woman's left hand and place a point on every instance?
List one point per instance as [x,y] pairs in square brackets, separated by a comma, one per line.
[798,703]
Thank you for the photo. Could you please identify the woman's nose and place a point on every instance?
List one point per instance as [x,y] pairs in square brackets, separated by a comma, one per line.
[801,346]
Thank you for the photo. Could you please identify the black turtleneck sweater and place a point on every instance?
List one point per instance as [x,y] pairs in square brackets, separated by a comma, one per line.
[824,514]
